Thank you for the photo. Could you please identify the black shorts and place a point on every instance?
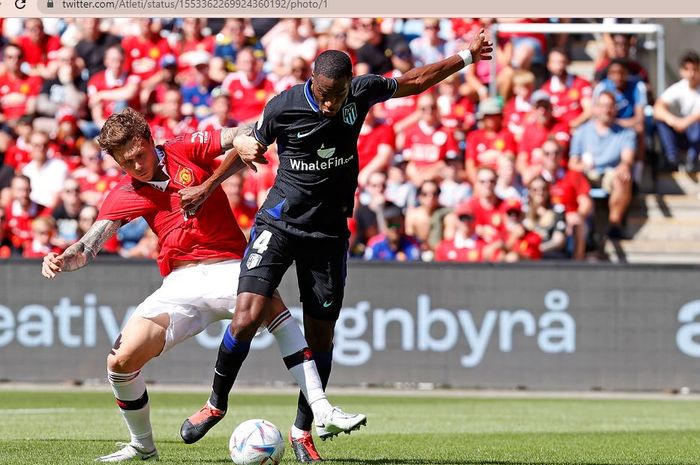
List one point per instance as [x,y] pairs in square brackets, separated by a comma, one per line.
[321,268]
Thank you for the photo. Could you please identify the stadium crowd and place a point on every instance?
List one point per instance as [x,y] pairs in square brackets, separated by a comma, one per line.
[453,174]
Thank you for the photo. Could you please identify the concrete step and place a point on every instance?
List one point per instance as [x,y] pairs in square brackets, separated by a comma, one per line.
[670,229]
[678,184]
[653,251]
[653,206]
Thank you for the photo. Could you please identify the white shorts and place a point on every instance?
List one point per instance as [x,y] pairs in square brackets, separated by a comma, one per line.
[193,297]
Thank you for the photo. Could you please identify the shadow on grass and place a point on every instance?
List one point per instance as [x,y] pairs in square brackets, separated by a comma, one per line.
[394,461]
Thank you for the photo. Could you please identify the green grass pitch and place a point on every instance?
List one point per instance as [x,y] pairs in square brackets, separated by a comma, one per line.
[41,427]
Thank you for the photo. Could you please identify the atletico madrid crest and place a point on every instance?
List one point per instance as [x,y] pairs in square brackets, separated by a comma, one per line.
[185,176]
[350,113]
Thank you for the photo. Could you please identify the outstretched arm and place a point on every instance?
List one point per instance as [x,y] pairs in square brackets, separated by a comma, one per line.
[82,252]
[421,79]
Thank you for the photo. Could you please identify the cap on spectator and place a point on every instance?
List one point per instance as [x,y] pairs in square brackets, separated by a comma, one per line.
[489,106]
[402,51]
[200,57]
[464,209]
[66,115]
[513,205]
[168,60]
[541,97]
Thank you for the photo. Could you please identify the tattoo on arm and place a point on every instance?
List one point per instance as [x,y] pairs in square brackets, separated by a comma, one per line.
[228,134]
[82,252]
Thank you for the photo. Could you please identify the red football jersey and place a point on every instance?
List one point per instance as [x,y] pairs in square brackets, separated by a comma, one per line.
[211,233]
[142,55]
[370,139]
[396,109]
[471,250]
[566,96]
[493,217]
[106,81]
[567,187]
[536,134]
[425,145]
[479,142]
[14,94]
[39,54]
[247,98]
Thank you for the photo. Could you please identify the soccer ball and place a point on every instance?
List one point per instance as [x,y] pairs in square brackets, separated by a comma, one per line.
[256,442]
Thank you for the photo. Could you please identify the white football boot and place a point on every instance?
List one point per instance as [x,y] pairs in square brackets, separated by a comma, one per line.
[128,452]
[336,421]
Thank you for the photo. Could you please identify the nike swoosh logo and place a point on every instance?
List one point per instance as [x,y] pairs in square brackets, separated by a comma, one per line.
[327,304]
[302,135]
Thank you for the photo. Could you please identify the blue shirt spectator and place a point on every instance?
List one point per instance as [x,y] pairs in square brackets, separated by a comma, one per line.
[633,94]
[602,148]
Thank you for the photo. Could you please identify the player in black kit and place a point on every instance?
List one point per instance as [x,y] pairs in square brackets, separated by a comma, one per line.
[304,218]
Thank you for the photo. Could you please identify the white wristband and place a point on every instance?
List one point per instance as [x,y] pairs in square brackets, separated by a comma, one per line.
[466,56]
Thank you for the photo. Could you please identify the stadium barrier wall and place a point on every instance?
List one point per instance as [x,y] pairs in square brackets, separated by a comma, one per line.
[536,326]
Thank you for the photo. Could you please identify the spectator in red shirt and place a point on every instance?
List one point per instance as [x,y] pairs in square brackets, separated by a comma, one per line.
[400,113]
[465,246]
[486,145]
[17,155]
[38,48]
[41,243]
[427,143]
[487,207]
[221,113]
[21,211]
[6,248]
[143,51]
[153,90]
[243,210]
[518,107]
[249,87]
[113,89]
[169,121]
[18,91]
[570,94]
[570,189]
[456,110]
[68,139]
[375,146]
[541,126]
[520,243]
[192,41]
[95,182]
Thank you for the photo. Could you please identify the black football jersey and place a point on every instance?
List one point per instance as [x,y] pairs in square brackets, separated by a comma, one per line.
[315,186]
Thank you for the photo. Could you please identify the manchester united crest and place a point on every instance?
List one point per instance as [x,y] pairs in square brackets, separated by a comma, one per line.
[185,176]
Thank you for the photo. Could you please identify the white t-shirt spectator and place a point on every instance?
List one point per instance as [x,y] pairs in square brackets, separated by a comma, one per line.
[682,100]
[47,180]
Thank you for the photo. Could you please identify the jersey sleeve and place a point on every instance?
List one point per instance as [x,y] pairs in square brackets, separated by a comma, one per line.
[202,147]
[372,88]
[123,204]
[266,127]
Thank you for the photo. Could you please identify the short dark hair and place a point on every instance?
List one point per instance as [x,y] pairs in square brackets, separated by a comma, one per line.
[391,211]
[15,46]
[624,62]
[122,128]
[560,51]
[333,64]
[691,57]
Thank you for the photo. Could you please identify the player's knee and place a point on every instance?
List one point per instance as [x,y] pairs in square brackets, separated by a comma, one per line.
[249,315]
[119,362]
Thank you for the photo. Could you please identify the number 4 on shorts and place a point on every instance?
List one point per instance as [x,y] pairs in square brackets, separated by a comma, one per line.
[260,244]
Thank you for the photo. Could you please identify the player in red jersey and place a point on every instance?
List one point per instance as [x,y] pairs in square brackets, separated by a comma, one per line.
[199,258]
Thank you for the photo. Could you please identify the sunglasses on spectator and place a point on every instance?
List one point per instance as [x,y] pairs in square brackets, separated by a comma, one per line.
[466,217]
[428,107]
[487,181]
[432,28]
[553,153]
[376,184]
[71,190]
[428,194]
